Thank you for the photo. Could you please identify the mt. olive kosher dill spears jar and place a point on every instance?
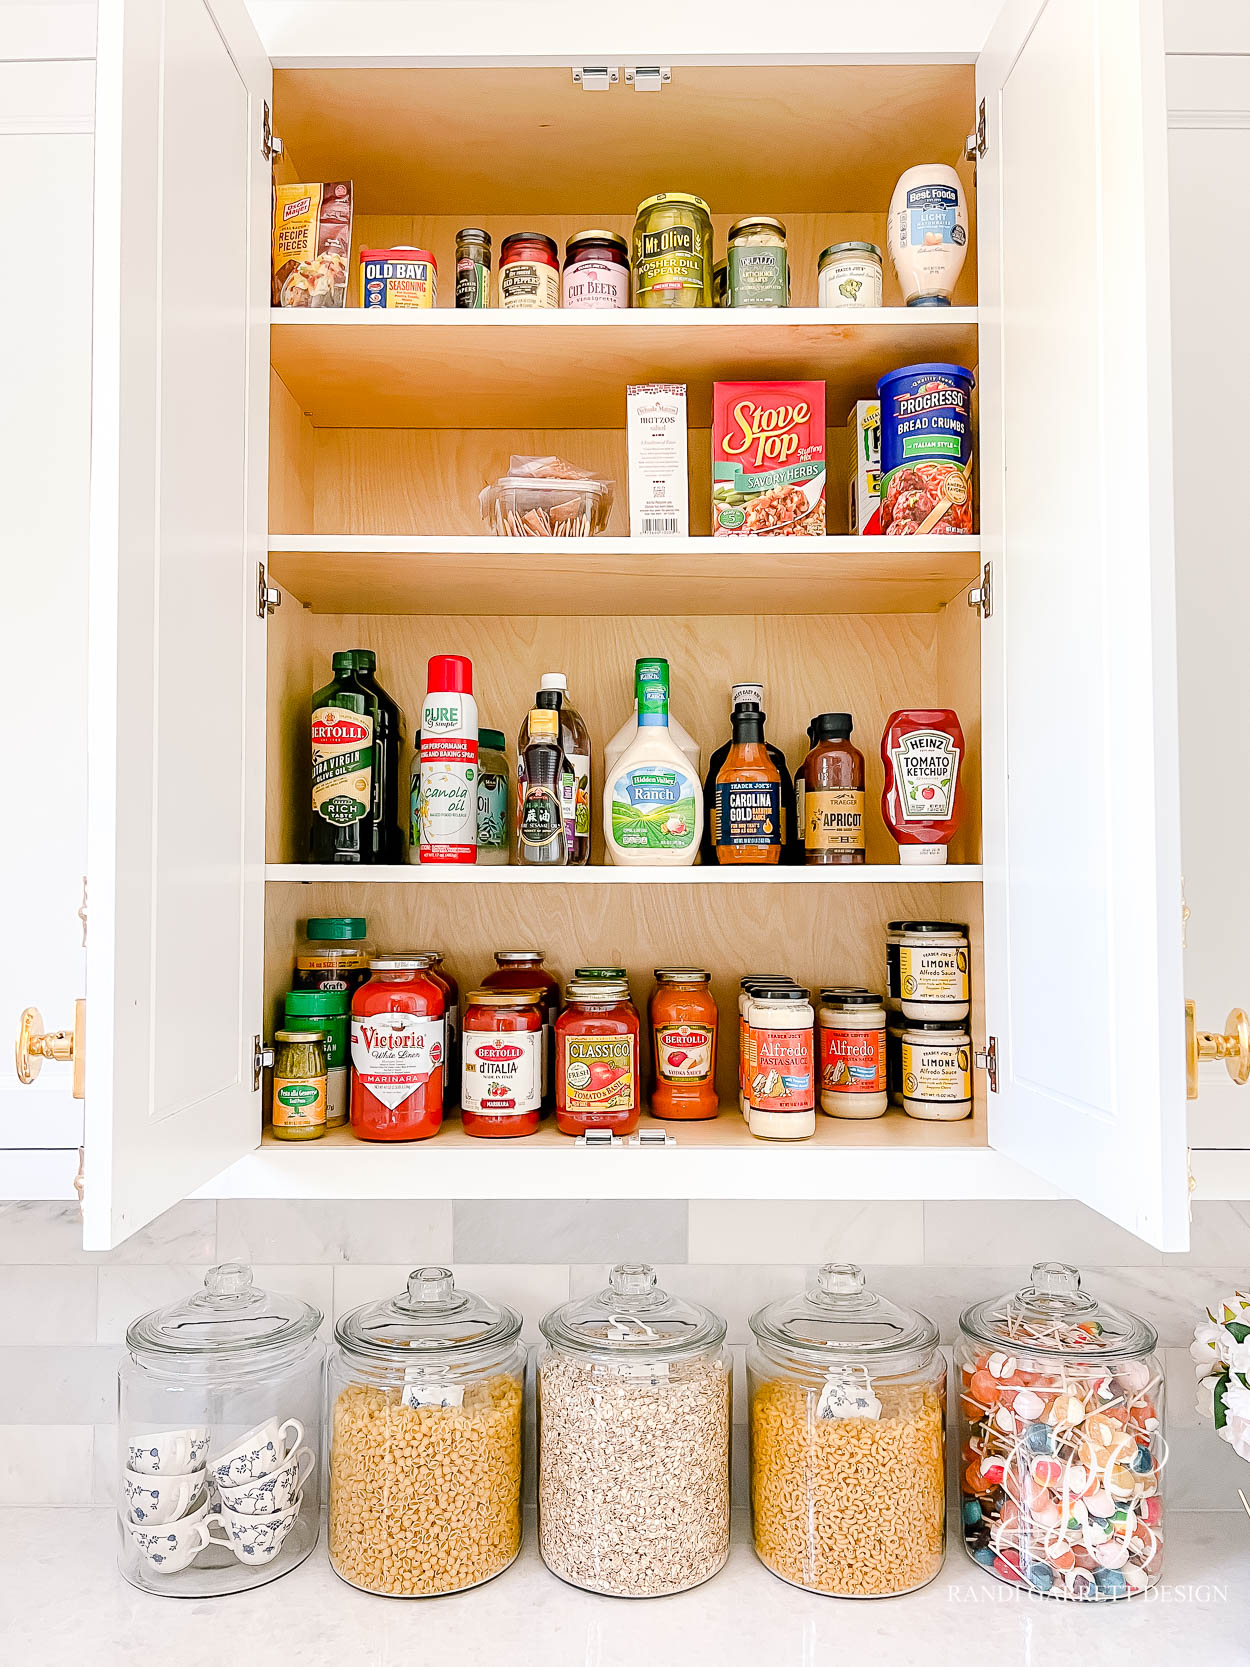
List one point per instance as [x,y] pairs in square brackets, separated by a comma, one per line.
[848,1401]
[424,1404]
[633,1439]
[673,252]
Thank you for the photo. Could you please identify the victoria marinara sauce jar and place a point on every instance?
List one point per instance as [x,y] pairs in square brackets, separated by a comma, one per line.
[398,1051]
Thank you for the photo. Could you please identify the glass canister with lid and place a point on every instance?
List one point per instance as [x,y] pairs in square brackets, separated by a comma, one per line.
[633,1439]
[847,1416]
[219,1439]
[1061,1432]
[424,1407]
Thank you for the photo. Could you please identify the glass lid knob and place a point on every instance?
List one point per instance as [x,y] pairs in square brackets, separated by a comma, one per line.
[840,1279]
[632,1279]
[228,1281]
[430,1286]
[1054,1279]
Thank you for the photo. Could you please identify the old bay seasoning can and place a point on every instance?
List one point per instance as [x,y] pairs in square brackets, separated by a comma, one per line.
[403,277]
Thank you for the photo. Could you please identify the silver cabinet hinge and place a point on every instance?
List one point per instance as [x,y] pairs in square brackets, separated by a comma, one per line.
[270,144]
[262,1059]
[268,597]
[974,144]
[595,78]
[644,1137]
[988,1062]
[981,597]
[647,78]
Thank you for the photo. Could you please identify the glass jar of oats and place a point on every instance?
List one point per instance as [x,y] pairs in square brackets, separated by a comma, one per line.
[425,1417]
[633,1439]
[847,1422]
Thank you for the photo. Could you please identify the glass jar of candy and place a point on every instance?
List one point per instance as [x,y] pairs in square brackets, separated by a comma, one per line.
[1061,1431]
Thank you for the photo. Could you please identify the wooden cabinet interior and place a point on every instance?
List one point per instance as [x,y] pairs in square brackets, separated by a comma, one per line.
[374,434]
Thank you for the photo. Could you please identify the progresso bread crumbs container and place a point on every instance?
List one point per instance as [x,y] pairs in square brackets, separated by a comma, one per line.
[926,450]
[424,1400]
[1061,1433]
[847,1418]
[673,251]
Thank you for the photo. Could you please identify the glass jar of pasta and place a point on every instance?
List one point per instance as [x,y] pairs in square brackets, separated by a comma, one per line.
[1061,1425]
[425,1412]
[847,1420]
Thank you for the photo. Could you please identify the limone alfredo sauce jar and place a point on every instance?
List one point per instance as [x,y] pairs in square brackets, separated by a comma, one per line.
[937,1070]
[927,968]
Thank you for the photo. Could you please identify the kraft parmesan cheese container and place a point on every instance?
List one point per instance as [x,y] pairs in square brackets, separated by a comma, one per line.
[403,277]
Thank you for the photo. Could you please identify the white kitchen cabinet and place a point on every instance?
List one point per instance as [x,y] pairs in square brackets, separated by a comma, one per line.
[379,433]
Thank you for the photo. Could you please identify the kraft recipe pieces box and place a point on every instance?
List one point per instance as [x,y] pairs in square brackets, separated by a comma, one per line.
[768,459]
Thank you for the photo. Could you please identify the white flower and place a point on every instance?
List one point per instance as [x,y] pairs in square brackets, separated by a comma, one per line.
[1205,1346]
[1237,1434]
[1237,1400]
[1236,1354]
[1205,1401]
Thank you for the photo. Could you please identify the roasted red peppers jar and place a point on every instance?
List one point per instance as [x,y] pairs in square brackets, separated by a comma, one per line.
[596,271]
[397,1052]
[502,1074]
[597,1059]
[529,271]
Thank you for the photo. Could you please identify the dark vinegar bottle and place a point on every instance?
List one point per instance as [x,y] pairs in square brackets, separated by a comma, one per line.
[344,737]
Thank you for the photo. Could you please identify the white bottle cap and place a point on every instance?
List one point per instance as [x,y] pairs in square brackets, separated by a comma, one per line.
[554,680]
[741,693]
[921,856]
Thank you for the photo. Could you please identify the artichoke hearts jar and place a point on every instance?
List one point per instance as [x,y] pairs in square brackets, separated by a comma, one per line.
[425,1394]
[633,1439]
[1062,1447]
[673,251]
[847,1428]
[756,274]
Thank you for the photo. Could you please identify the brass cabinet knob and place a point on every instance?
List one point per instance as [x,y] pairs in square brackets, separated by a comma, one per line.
[1232,1046]
[35,1044]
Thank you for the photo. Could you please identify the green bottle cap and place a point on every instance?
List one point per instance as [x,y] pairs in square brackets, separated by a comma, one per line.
[343,659]
[328,1003]
[651,688]
[331,927]
[492,738]
[365,659]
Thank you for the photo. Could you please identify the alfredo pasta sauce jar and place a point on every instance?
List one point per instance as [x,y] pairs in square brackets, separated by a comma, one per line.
[926,450]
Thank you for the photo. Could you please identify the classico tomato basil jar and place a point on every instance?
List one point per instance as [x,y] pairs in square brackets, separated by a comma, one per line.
[597,1059]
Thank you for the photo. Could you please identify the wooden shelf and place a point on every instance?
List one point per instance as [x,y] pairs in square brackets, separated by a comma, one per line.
[532,370]
[510,874]
[618,576]
[888,1157]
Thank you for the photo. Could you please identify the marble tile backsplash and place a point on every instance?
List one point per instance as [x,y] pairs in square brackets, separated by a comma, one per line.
[63,1312]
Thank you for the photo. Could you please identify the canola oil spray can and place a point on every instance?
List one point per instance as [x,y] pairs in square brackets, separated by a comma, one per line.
[447,796]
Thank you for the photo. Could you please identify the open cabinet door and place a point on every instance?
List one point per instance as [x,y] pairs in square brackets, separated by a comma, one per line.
[1082,841]
[176,668]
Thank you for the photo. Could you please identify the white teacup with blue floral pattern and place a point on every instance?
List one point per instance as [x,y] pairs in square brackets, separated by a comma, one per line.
[169,1452]
[271,1494]
[259,1453]
[257,1539]
[172,1546]
[156,1499]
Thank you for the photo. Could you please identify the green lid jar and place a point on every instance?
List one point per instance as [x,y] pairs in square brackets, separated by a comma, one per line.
[333,954]
[328,1011]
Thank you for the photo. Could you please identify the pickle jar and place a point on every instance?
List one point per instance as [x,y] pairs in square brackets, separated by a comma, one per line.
[673,251]
[633,1439]
[424,1412]
[847,1420]
[1061,1433]
[219,1439]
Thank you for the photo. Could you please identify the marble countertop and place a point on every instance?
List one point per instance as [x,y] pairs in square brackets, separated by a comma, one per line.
[63,1604]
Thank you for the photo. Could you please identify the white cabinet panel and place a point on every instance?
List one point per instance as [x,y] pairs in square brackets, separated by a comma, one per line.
[1082,896]
[1209,147]
[176,669]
